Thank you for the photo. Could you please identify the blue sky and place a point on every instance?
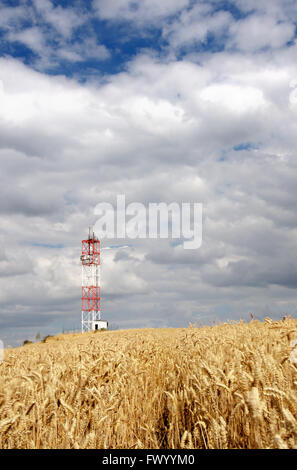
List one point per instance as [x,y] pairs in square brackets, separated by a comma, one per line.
[116,35]
[172,101]
[121,40]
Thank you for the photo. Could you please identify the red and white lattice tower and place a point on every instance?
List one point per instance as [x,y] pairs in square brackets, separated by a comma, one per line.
[90,299]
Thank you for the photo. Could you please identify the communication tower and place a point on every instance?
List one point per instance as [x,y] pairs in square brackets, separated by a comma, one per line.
[90,298]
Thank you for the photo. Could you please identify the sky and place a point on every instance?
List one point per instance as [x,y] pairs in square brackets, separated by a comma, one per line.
[172,100]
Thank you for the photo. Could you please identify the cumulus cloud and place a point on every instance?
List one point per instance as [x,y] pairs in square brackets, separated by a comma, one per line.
[31,37]
[260,31]
[12,16]
[196,24]
[283,9]
[63,20]
[48,32]
[185,25]
[141,11]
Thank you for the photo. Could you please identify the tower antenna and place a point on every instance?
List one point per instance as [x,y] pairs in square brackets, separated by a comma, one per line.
[90,299]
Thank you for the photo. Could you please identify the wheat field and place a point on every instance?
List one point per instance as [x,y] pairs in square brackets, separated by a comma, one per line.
[225,386]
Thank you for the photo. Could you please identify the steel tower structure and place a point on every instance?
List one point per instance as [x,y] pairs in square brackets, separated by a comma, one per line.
[90,298]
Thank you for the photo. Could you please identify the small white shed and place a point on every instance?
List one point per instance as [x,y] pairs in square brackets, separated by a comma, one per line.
[100,325]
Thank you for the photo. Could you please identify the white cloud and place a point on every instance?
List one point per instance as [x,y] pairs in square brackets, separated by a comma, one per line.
[256,32]
[194,25]
[64,20]
[51,34]
[31,37]
[282,9]
[138,10]
[234,98]
[11,16]
[86,49]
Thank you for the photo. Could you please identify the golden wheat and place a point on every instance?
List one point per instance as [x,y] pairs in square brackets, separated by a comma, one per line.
[224,386]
